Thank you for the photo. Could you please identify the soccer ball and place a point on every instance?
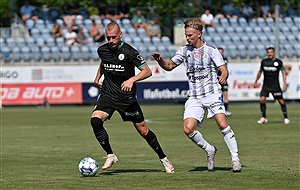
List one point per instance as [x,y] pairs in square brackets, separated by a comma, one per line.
[88,167]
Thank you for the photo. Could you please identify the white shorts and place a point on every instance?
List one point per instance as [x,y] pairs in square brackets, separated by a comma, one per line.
[196,107]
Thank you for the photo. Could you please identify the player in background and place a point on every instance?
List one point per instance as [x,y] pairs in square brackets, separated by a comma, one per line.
[118,93]
[225,86]
[271,67]
[202,62]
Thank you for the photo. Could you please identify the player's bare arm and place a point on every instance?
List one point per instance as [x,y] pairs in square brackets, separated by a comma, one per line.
[222,79]
[166,65]
[145,73]
[257,78]
[98,76]
[284,80]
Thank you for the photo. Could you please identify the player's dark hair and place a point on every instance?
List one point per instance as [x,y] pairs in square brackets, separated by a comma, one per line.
[272,48]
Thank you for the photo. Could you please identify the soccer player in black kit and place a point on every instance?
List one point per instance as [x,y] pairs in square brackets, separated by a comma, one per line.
[224,87]
[118,93]
[271,67]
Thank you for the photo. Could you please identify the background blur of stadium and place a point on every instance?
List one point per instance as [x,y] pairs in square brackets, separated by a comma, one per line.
[36,65]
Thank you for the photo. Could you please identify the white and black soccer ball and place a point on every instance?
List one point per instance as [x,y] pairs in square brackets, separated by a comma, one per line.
[88,167]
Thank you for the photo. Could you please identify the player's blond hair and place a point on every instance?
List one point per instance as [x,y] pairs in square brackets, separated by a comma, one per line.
[193,23]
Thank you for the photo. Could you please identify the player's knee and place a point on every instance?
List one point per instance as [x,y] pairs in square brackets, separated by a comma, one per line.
[97,124]
[188,130]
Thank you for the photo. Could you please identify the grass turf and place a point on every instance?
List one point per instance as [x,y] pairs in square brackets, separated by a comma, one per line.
[41,149]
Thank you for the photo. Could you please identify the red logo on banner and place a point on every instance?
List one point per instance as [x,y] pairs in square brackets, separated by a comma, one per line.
[27,94]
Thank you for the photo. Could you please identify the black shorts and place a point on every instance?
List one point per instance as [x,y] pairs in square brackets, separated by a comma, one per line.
[128,111]
[276,93]
[224,87]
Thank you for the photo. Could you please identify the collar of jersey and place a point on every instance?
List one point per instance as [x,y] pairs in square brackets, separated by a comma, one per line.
[120,45]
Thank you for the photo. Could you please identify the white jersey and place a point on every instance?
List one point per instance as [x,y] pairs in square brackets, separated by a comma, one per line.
[201,68]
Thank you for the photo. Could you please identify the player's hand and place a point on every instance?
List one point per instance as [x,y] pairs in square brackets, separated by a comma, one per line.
[222,81]
[255,85]
[156,56]
[126,86]
[284,87]
[99,84]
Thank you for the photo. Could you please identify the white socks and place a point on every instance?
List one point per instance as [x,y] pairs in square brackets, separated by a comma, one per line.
[231,143]
[198,139]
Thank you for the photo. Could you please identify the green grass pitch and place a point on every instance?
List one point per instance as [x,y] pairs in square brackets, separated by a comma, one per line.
[41,149]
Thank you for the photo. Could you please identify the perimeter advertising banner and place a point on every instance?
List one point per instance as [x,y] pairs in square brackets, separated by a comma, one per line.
[26,85]
[33,93]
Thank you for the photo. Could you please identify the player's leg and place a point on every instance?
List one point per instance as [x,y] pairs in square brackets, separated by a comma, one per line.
[97,120]
[136,116]
[225,98]
[278,96]
[263,108]
[216,110]
[152,141]
[230,140]
[193,116]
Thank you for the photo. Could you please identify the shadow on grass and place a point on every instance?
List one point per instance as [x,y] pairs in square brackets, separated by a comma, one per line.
[200,169]
[112,172]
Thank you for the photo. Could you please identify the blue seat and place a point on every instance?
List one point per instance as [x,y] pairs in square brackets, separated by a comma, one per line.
[66,53]
[85,53]
[40,41]
[55,53]
[289,49]
[29,23]
[87,22]
[50,42]
[94,53]
[252,51]
[39,24]
[242,21]
[141,32]
[36,54]
[261,50]
[242,48]
[46,53]
[166,40]
[126,23]
[171,50]
[224,22]
[60,22]
[35,33]
[6,54]
[30,42]
[60,41]
[75,53]
[270,22]
[234,22]
[10,42]
[46,33]
[297,48]
[162,50]
[20,42]
[16,54]
[156,41]
[26,54]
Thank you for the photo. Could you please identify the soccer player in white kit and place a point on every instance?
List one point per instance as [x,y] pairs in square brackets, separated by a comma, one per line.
[202,62]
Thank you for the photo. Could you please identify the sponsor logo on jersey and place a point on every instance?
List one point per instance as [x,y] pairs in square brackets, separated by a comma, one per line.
[112,67]
[197,54]
[193,78]
[270,68]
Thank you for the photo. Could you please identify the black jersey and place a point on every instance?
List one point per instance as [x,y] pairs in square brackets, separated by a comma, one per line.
[118,66]
[271,69]
[225,61]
